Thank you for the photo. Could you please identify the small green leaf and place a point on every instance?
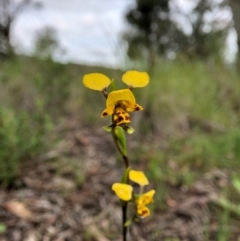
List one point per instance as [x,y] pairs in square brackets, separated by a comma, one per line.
[225,203]
[128,223]
[236,183]
[128,129]
[2,227]
[107,128]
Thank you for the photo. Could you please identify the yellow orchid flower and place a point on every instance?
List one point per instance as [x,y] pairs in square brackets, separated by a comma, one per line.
[118,103]
[138,177]
[96,81]
[135,79]
[123,191]
[142,201]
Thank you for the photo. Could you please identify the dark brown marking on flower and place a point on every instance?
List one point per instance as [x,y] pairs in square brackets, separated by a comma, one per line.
[120,118]
[144,212]
[104,113]
[136,108]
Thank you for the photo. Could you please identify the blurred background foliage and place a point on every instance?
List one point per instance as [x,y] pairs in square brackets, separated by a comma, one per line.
[158,34]
[192,107]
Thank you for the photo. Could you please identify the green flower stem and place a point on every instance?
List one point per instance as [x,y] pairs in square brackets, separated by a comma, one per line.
[115,139]
[124,204]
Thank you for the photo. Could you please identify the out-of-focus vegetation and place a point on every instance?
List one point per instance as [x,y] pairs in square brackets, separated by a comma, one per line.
[195,109]
[162,29]
[192,107]
[23,135]
[35,95]
[9,11]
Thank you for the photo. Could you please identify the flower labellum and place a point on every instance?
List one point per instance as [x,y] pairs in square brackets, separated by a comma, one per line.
[118,103]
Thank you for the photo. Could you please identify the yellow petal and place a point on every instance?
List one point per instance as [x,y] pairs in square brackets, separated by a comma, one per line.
[123,191]
[138,177]
[96,81]
[135,78]
[120,95]
[143,211]
[132,107]
[108,111]
[146,198]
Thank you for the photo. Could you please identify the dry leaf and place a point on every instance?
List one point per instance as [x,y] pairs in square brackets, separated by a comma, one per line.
[171,203]
[18,209]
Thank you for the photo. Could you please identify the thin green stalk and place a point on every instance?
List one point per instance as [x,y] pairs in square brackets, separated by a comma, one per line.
[124,204]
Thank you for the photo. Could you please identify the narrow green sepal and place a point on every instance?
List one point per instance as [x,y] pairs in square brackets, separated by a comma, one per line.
[107,128]
[121,139]
[128,129]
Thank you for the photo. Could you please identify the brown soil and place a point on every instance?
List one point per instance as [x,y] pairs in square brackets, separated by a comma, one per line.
[74,202]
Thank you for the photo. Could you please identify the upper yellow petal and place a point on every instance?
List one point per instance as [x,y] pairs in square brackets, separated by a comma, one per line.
[96,81]
[135,78]
[123,191]
[146,198]
[120,95]
[138,177]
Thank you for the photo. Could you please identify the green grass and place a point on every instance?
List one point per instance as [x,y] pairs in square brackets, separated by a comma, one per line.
[195,90]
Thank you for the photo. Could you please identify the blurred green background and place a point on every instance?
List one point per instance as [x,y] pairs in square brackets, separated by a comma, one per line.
[191,120]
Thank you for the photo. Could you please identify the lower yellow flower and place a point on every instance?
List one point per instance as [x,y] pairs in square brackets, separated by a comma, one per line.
[123,191]
[142,201]
[118,103]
